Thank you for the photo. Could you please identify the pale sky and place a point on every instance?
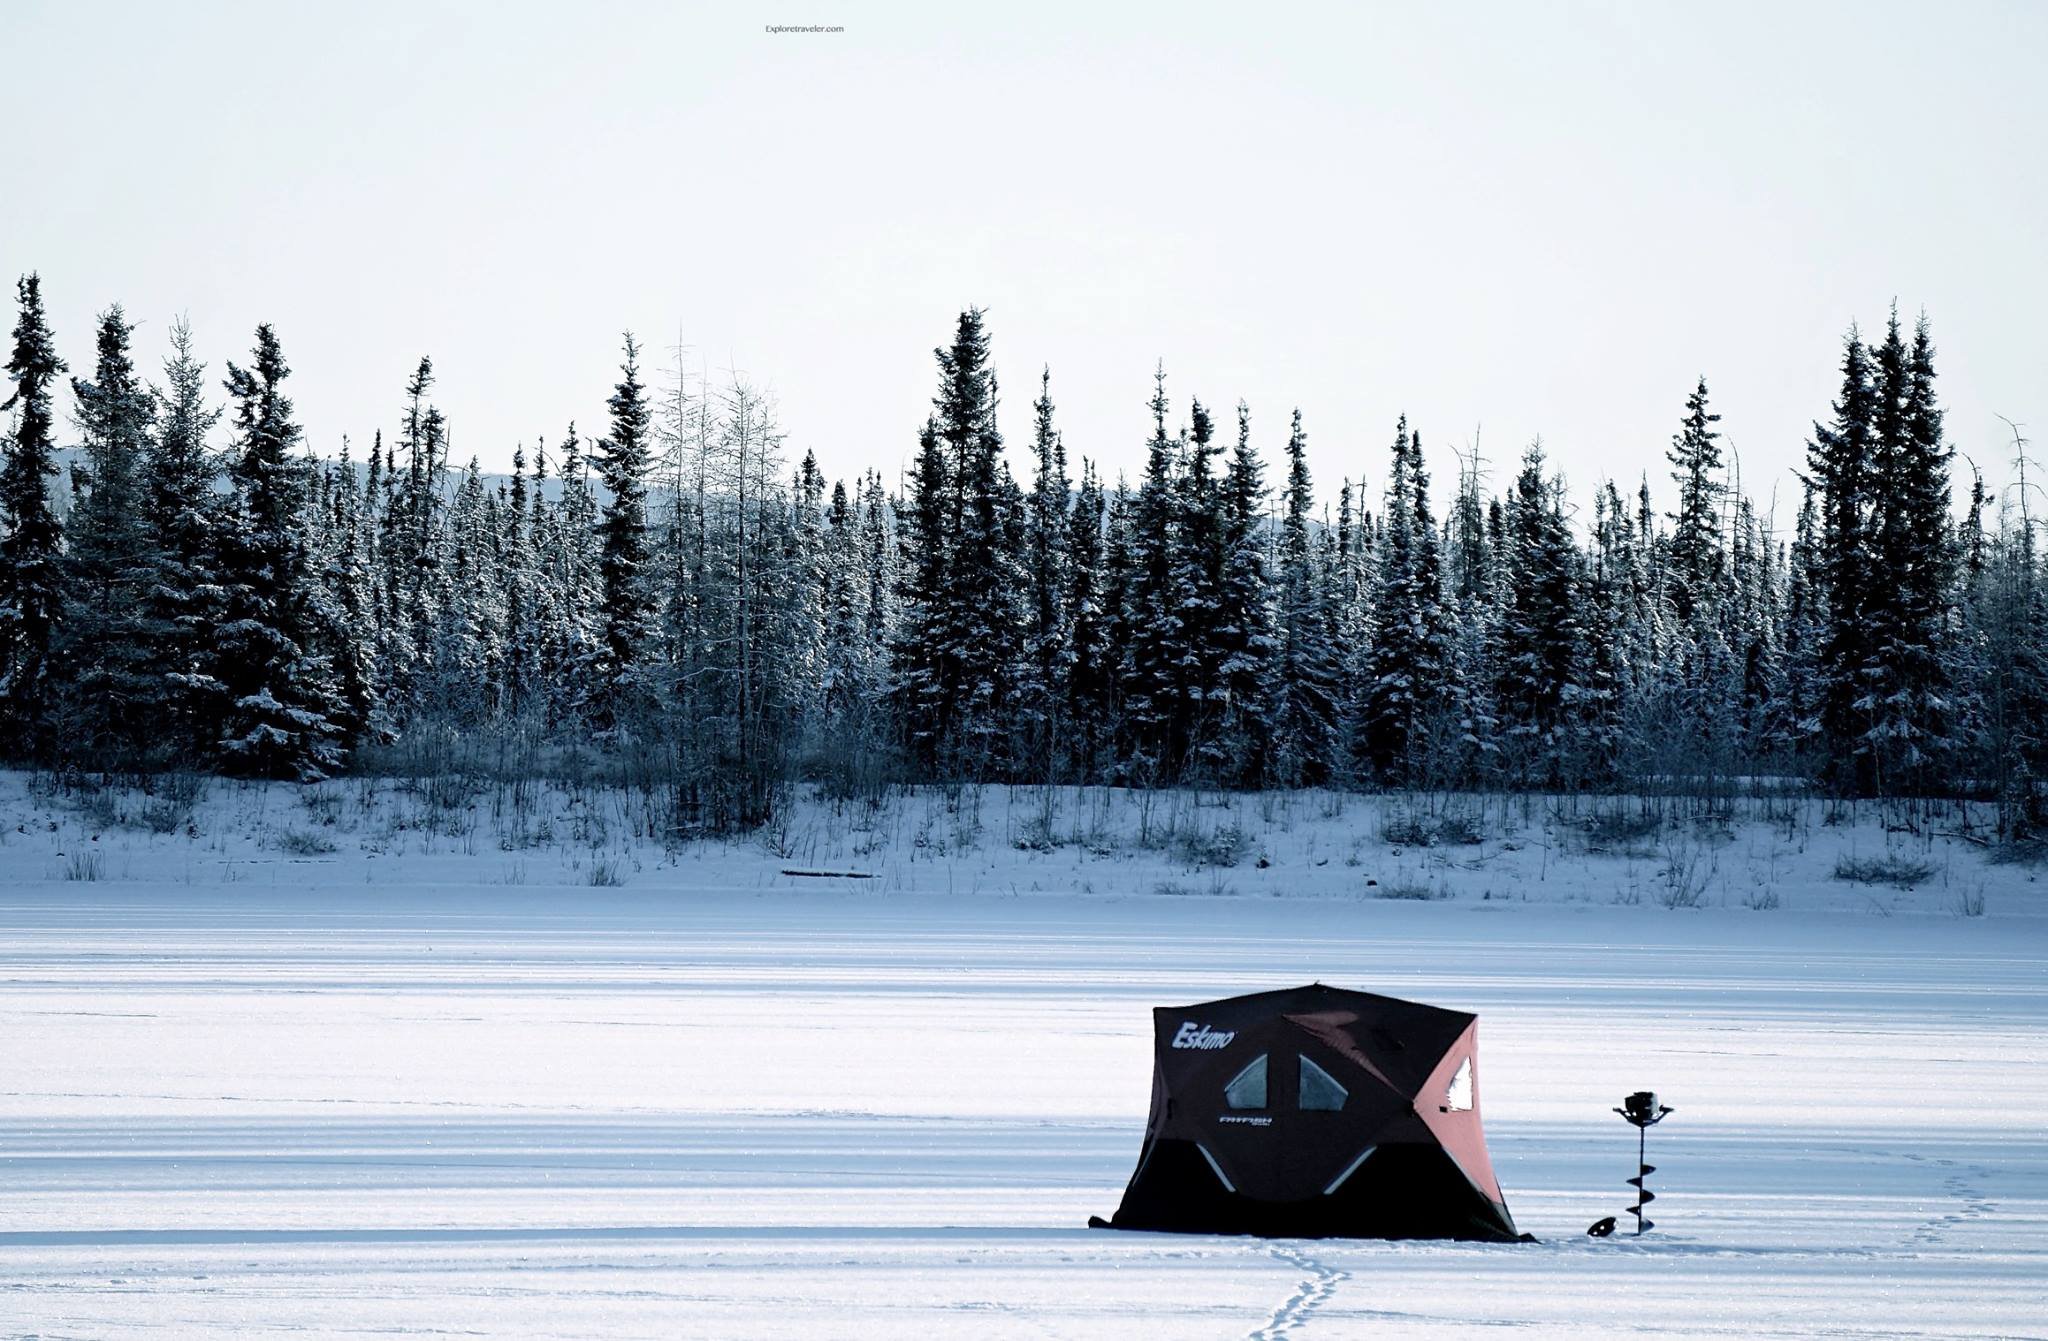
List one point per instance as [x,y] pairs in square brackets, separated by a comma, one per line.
[1516,219]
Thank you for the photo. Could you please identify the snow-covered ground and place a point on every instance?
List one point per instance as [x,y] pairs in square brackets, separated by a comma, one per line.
[436,1080]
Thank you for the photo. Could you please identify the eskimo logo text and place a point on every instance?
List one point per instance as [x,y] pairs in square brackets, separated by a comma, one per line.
[1202,1037]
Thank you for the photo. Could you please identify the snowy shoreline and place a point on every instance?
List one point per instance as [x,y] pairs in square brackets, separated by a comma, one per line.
[1775,854]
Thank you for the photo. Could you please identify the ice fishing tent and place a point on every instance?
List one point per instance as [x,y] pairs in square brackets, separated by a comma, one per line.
[1316,1113]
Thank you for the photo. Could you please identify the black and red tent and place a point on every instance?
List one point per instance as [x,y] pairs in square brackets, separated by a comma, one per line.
[1316,1113]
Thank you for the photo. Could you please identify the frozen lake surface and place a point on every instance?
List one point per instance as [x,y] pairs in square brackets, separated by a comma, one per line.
[814,1112]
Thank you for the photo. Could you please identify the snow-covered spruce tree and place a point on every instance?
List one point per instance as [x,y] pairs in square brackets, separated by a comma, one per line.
[1330,621]
[410,540]
[282,709]
[1620,554]
[183,510]
[847,751]
[2011,619]
[622,462]
[466,650]
[1697,555]
[1445,702]
[925,678]
[1654,635]
[980,625]
[1753,624]
[1540,634]
[561,531]
[573,579]
[965,682]
[378,490]
[1048,646]
[840,597]
[1972,541]
[1969,666]
[1354,560]
[1350,609]
[1475,546]
[2025,795]
[1595,749]
[1699,700]
[1645,638]
[1305,670]
[343,543]
[1090,690]
[1119,568]
[31,537]
[1349,589]
[523,612]
[1384,729]
[880,560]
[1448,713]
[1153,693]
[1243,623]
[1469,560]
[1201,565]
[1840,469]
[852,753]
[806,556]
[857,637]
[1799,706]
[104,645]
[1414,710]
[1904,693]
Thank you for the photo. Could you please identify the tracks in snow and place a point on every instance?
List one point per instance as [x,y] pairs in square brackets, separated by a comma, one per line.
[1966,1183]
[1319,1281]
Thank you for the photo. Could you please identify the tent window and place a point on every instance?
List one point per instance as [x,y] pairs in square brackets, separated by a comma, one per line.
[1248,1090]
[1458,1097]
[1320,1092]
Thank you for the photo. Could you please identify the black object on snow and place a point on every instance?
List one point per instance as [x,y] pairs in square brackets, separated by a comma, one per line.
[1316,1112]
